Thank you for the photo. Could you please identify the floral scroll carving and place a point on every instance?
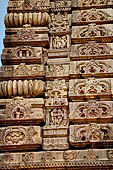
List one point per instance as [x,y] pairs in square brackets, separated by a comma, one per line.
[91,133]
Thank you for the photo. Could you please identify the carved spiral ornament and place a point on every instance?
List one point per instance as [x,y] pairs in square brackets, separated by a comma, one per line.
[21,88]
[20,19]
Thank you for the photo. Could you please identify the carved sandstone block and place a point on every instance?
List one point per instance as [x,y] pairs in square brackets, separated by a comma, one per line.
[21,111]
[31,5]
[65,159]
[57,71]
[92,32]
[26,54]
[60,5]
[27,36]
[95,135]
[91,111]
[21,19]
[27,88]
[90,89]
[92,15]
[56,102]
[58,53]
[55,143]
[22,71]
[91,50]
[59,23]
[56,123]
[91,3]
[56,88]
[95,68]
[20,138]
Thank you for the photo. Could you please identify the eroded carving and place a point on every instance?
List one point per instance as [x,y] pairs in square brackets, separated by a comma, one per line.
[60,42]
[14,135]
[92,15]
[59,23]
[90,87]
[91,111]
[91,133]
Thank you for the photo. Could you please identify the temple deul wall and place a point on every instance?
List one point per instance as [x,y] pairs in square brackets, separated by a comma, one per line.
[56,85]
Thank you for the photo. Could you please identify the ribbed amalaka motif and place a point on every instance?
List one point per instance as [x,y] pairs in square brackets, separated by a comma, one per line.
[56,85]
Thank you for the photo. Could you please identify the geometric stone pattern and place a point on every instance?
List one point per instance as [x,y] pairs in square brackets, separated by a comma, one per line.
[56,85]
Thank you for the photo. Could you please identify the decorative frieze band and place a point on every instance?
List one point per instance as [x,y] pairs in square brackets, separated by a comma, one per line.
[95,68]
[92,3]
[102,158]
[28,5]
[19,138]
[21,111]
[92,32]
[91,50]
[91,111]
[92,15]
[93,135]
[27,88]
[91,88]
[26,36]
[22,71]
[21,54]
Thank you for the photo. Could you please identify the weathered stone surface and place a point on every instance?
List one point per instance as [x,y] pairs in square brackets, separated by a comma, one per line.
[23,54]
[93,135]
[26,36]
[60,5]
[95,68]
[21,111]
[19,138]
[92,32]
[21,19]
[91,111]
[31,5]
[91,50]
[55,143]
[58,53]
[90,89]
[57,71]
[27,88]
[92,15]
[59,23]
[91,3]
[22,71]
[56,123]
[63,159]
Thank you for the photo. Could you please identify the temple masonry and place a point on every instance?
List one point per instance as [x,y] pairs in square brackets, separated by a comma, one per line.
[56,85]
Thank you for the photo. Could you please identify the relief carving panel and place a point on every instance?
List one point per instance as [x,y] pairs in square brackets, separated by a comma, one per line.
[92,15]
[22,70]
[82,135]
[90,3]
[21,111]
[91,50]
[27,36]
[28,88]
[34,5]
[96,68]
[92,32]
[60,5]
[19,136]
[91,111]
[25,54]
[59,23]
[57,71]
[90,89]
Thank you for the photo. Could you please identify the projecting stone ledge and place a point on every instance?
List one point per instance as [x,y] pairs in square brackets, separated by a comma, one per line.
[69,159]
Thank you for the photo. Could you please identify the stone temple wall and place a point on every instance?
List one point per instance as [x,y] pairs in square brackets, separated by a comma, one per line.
[56,85]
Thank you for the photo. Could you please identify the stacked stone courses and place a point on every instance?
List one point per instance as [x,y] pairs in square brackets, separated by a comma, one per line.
[56,85]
